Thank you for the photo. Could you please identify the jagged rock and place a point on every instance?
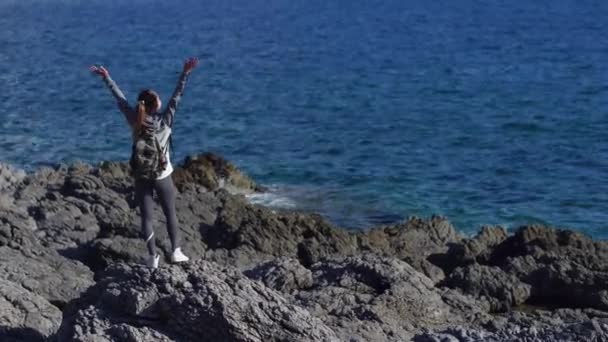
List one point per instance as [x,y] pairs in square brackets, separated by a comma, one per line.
[474,310]
[46,273]
[81,185]
[284,274]
[564,268]
[26,261]
[370,298]
[540,326]
[64,223]
[36,185]
[558,282]
[10,177]
[213,172]
[256,234]
[320,239]
[539,241]
[125,332]
[416,241]
[116,176]
[118,248]
[17,228]
[87,326]
[502,290]
[24,315]
[110,208]
[476,249]
[215,304]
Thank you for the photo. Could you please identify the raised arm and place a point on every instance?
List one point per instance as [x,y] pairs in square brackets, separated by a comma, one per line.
[123,104]
[169,112]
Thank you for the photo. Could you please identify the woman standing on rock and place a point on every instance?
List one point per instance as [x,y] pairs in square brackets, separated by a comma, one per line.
[150,163]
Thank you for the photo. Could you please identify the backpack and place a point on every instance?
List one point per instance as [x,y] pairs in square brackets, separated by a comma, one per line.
[150,144]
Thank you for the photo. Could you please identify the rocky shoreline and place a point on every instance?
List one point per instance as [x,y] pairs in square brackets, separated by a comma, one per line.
[70,269]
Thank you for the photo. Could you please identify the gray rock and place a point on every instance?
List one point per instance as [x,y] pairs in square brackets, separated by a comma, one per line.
[115,176]
[110,208]
[556,281]
[215,304]
[64,223]
[254,234]
[24,315]
[26,260]
[564,268]
[87,326]
[502,290]
[479,248]
[284,274]
[539,241]
[36,185]
[213,172]
[416,241]
[540,326]
[473,309]
[46,273]
[10,177]
[17,228]
[370,298]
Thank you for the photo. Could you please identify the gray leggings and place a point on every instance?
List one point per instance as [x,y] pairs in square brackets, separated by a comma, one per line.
[166,194]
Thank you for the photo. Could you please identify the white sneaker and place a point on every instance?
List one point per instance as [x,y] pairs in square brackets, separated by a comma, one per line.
[178,256]
[153,260]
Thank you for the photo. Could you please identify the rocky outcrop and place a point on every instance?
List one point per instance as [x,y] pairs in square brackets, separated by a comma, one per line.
[25,257]
[563,268]
[477,249]
[361,298]
[212,172]
[46,273]
[201,301]
[244,235]
[503,291]
[417,242]
[557,326]
[70,244]
[371,298]
[9,176]
[24,315]
[284,275]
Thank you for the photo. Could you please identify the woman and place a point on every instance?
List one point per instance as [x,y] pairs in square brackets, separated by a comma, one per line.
[147,118]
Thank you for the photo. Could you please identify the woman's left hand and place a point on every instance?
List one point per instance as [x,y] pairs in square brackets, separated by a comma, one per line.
[190,64]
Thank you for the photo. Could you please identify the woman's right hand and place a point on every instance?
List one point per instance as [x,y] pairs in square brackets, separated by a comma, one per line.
[99,70]
[190,64]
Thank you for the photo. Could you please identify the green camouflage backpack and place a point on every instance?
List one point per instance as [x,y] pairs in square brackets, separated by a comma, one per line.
[148,158]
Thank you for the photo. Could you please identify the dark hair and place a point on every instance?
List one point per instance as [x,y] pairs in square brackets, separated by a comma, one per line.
[147,101]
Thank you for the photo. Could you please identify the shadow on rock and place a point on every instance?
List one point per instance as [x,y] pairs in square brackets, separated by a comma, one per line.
[8,334]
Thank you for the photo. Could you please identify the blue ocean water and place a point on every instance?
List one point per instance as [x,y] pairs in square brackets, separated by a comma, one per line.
[488,112]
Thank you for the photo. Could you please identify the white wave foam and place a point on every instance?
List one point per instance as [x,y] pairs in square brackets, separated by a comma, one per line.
[271,199]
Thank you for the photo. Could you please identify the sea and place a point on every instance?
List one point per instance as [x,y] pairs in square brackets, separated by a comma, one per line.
[488,112]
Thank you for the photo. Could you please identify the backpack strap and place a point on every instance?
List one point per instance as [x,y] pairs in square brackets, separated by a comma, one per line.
[162,162]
